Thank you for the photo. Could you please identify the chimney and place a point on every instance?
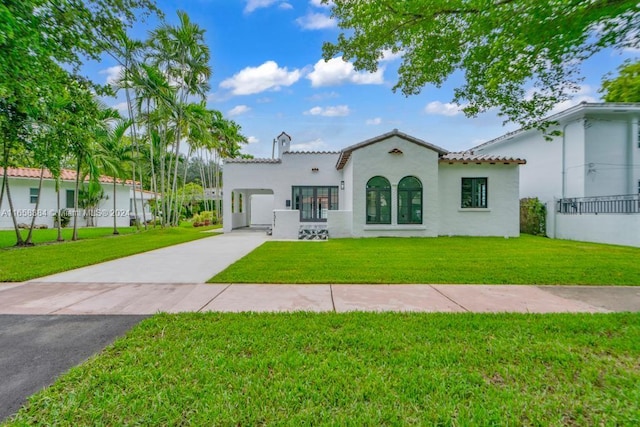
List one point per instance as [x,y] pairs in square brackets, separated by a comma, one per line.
[284,144]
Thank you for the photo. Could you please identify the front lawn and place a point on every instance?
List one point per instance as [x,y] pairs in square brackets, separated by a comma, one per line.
[19,264]
[472,260]
[49,235]
[356,369]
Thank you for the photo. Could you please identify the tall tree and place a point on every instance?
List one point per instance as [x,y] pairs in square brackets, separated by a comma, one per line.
[38,37]
[520,56]
[625,87]
[112,153]
[181,53]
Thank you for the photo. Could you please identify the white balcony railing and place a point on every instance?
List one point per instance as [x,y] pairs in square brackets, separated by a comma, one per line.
[627,204]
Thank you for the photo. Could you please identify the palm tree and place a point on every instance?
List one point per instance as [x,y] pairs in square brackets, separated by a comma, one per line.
[228,137]
[130,51]
[112,152]
[182,55]
[154,99]
[83,148]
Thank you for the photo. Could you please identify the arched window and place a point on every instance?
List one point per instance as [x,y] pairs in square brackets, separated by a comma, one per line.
[378,201]
[410,201]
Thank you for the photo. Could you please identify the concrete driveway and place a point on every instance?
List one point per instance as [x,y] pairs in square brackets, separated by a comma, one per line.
[191,262]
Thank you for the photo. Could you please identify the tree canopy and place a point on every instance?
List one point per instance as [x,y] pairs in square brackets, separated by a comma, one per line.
[520,56]
[625,87]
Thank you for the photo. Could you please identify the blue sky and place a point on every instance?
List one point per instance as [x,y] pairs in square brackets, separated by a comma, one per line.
[269,76]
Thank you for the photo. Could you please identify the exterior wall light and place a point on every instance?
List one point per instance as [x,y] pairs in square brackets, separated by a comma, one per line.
[342,185]
[314,170]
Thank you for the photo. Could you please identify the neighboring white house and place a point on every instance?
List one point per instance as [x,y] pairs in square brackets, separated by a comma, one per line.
[23,184]
[390,185]
[143,200]
[589,177]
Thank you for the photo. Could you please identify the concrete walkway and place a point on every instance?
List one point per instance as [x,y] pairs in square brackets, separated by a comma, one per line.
[149,298]
[191,262]
[172,280]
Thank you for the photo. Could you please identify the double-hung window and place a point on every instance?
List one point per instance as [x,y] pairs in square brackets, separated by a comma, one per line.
[313,202]
[33,195]
[474,193]
[70,199]
[378,201]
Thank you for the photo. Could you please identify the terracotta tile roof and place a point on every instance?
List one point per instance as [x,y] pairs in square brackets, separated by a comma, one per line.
[65,175]
[470,157]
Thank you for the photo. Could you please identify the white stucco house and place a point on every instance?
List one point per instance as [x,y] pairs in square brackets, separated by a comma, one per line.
[589,177]
[143,200]
[390,185]
[23,183]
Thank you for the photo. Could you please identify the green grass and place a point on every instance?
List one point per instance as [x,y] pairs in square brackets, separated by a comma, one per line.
[8,237]
[19,264]
[472,260]
[356,369]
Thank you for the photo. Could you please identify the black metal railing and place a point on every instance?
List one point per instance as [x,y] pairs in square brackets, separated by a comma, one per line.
[627,204]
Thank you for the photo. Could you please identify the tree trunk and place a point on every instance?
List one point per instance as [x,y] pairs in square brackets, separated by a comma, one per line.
[35,213]
[19,240]
[4,178]
[75,203]
[154,181]
[144,215]
[59,226]
[218,189]
[5,186]
[134,140]
[163,179]
[203,178]
[115,212]
[5,172]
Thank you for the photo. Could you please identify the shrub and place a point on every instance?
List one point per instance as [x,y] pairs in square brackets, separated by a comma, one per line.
[65,218]
[533,217]
[197,220]
[208,217]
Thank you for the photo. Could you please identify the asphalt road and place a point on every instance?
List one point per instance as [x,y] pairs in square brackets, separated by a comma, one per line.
[35,350]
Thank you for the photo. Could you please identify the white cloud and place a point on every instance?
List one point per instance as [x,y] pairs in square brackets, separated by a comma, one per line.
[335,111]
[585,93]
[257,4]
[122,108]
[315,21]
[238,110]
[315,145]
[375,121]
[388,56]
[267,76]
[318,3]
[336,71]
[252,5]
[322,96]
[443,109]
[252,140]
[113,73]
